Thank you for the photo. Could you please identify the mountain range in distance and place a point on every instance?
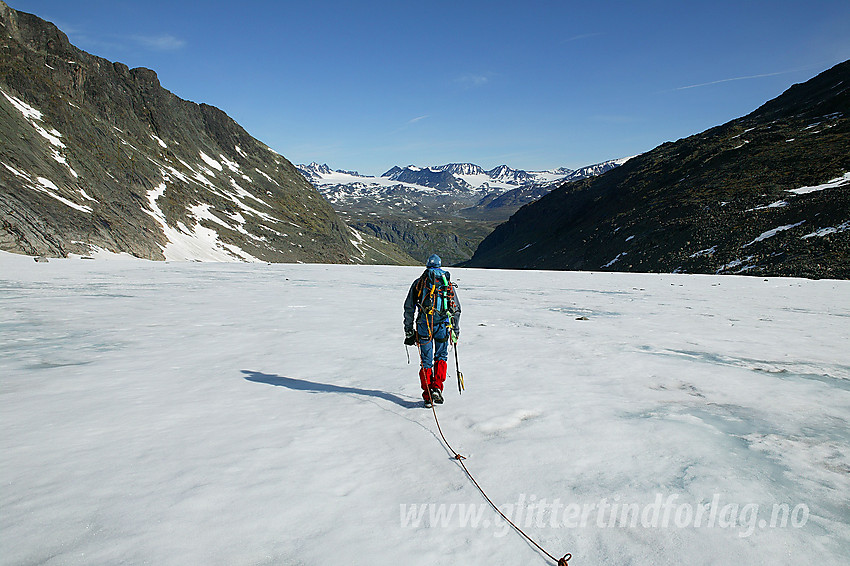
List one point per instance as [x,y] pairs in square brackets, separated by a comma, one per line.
[97,157]
[452,178]
[446,208]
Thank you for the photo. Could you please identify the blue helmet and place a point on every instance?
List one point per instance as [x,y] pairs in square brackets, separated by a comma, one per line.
[434,261]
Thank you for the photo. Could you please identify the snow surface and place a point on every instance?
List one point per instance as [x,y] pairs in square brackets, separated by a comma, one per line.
[831,184]
[28,111]
[197,413]
[616,259]
[197,243]
[210,161]
[48,187]
[707,251]
[843,227]
[33,116]
[776,204]
[774,231]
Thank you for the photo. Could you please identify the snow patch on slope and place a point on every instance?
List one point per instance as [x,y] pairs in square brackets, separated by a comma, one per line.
[834,183]
[33,117]
[48,187]
[197,243]
[210,161]
[843,227]
[773,232]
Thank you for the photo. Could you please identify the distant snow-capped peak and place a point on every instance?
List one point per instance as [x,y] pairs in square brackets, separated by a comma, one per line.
[460,169]
[314,171]
[511,176]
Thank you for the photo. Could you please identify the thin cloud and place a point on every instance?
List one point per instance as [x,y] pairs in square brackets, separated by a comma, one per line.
[472,80]
[581,36]
[159,42]
[406,125]
[737,79]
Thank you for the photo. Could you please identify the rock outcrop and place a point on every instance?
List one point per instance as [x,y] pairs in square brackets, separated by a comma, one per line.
[95,155]
[766,194]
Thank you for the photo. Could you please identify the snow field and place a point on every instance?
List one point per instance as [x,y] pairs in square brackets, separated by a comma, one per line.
[175,413]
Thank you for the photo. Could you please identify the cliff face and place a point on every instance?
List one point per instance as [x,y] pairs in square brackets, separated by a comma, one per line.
[766,194]
[94,155]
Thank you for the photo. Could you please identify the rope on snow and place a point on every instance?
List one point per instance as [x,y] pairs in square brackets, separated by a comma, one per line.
[563,561]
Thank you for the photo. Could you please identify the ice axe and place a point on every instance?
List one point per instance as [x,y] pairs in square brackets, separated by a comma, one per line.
[460,386]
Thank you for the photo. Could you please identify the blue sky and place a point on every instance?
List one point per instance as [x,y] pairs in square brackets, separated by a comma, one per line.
[535,84]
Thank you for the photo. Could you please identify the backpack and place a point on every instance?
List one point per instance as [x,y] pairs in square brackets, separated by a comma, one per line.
[435,294]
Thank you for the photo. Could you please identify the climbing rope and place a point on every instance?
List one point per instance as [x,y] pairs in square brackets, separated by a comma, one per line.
[563,561]
[429,323]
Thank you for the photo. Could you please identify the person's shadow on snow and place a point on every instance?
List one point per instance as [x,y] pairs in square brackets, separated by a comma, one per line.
[313,387]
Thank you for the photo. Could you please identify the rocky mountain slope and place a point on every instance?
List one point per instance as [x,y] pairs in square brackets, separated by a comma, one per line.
[446,208]
[766,194]
[97,156]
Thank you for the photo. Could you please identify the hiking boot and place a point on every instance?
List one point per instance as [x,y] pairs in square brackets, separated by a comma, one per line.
[437,396]
[427,404]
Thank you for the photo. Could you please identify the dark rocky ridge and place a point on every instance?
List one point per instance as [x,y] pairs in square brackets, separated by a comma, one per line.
[715,202]
[89,171]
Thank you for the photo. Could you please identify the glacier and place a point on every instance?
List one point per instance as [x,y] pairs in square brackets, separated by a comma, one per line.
[231,413]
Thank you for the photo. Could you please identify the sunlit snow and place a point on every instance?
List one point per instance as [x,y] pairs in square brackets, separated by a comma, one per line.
[200,413]
[772,232]
[28,111]
[776,204]
[210,161]
[196,243]
[707,251]
[843,227]
[34,116]
[48,187]
[232,165]
[833,183]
